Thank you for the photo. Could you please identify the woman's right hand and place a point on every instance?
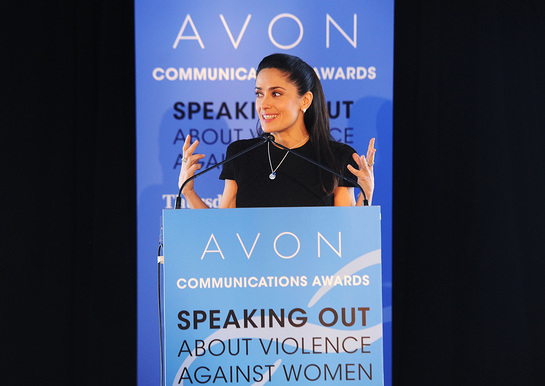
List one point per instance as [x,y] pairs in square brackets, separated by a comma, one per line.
[190,164]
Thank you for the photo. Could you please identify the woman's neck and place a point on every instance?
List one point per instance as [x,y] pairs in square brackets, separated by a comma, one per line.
[292,139]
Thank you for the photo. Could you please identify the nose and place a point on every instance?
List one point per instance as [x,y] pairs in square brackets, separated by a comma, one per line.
[265,102]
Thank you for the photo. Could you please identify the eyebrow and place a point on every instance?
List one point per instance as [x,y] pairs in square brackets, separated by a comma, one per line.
[270,88]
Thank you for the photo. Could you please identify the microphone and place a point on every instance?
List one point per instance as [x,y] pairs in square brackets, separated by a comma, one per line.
[365,201]
[266,137]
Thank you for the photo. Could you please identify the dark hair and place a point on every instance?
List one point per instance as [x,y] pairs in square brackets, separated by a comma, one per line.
[316,117]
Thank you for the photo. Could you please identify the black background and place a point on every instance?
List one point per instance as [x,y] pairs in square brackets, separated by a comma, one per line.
[469,181]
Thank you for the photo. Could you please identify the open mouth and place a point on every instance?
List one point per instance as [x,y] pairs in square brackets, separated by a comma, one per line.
[268,117]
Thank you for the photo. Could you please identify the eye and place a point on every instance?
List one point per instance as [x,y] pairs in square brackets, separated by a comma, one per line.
[258,94]
[276,93]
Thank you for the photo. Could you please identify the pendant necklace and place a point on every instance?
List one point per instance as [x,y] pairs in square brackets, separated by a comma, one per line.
[272,176]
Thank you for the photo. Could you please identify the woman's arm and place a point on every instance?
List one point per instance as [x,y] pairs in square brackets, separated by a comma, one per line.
[344,196]
[229,197]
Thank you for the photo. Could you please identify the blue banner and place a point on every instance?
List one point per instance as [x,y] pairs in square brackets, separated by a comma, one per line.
[256,296]
[195,74]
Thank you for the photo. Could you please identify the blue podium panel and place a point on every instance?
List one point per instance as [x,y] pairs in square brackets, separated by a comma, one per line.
[273,295]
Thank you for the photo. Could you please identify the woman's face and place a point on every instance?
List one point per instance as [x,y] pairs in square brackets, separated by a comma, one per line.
[277,102]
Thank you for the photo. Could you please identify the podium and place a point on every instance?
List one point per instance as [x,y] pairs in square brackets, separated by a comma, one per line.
[273,296]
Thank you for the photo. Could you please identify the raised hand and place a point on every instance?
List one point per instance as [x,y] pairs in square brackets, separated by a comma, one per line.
[365,173]
[190,164]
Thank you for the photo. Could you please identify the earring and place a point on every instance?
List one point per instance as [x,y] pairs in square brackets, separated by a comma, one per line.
[304,110]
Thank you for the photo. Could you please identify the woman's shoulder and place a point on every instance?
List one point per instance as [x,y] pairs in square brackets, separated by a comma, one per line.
[341,148]
[241,144]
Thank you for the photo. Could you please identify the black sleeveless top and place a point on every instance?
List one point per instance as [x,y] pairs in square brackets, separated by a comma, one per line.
[297,181]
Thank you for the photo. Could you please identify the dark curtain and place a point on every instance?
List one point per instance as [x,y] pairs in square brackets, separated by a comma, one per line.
[469,174]
[68,151]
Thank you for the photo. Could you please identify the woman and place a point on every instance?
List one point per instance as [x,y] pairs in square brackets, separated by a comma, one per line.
[291,106]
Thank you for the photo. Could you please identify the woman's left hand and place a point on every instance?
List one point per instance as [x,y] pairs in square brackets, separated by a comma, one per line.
[365,174]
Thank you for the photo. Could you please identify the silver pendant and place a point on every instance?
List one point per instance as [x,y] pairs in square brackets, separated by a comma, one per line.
[272,176]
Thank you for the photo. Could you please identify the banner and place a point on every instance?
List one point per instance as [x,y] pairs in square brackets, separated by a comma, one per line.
[195,74]
[256,296]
